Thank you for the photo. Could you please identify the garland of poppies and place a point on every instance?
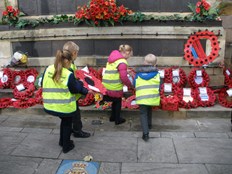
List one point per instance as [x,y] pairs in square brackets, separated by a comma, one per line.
[224,99]
[193,75]
[189,104]
[5,102]
[211,98]
[171,101]
[194,52]
[181,79]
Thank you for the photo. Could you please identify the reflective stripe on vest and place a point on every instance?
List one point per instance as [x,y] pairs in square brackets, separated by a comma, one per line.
[147,91]
[111,79]
[56,96]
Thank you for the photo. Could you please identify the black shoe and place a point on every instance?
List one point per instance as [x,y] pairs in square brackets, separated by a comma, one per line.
[70,147]
[112,119]
[145,137]
[122,120]
[61,144]
[81,134]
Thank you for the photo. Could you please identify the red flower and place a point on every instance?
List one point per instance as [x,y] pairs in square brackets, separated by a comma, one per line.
[198,10]
[10,9]
[4,13]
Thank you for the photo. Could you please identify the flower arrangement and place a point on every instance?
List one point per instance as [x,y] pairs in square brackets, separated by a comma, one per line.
[101,13]
[203,10]
[10,15]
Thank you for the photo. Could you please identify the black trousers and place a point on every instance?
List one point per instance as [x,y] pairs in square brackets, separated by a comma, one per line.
[76,121]
[116,107]
[145,117]
[65,131]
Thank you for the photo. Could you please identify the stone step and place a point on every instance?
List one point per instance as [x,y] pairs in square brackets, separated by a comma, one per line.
[216,111]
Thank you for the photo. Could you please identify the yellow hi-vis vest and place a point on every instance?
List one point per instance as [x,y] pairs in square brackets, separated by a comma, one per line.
[56,96]
[74,68]
[111,79]
[147,91]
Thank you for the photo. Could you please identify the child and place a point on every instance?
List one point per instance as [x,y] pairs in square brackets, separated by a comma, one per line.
[76,120]
[147,82]
[114,78]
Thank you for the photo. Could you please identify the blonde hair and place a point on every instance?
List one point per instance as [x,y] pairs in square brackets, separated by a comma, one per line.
[61,56]
[71,46]
[125,48]
[150,59]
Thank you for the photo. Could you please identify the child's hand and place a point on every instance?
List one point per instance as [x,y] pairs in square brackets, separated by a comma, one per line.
[90,92]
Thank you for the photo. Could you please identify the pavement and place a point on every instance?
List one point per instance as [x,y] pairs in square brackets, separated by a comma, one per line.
[192,145]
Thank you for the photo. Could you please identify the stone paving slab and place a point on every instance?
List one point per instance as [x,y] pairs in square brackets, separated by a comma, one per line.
[160,150]
[211,135]
[125,134]
[177,134]
[36,130]
[219,169]
[214,125]
[18,165]
[203,150]
[9,141]
[110,149]
[11,129]
[153,168]
[230,134]
[48,166]
[39,145]
[110,168]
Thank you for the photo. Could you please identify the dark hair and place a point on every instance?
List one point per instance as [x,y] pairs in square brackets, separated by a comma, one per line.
[61,56]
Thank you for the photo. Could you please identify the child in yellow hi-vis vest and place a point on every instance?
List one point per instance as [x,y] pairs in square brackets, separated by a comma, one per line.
[147,86]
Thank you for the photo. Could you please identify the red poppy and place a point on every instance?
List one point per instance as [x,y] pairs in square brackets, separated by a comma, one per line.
[198,10]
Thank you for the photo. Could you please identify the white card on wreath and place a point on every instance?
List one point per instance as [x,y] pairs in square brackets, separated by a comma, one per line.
[227,72]
[202,90]
[1,74]
[229,92]
[175,73]
[199,73]
[187,91]
[161,72]
[167,87]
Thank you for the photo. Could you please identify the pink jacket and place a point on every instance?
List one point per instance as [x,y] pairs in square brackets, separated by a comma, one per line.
[122,69]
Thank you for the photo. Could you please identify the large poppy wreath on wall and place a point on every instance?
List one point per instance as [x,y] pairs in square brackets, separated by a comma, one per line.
[194,52]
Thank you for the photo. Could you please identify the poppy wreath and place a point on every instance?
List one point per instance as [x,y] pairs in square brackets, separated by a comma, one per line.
[95,72]
[169,77]
[5,102]
[87,100]
[7,78]
[26,93]
[124,104]
[100,73]
[21,104]
[18,78]
[194,52]
[224,99]
[30,76]
[129,104]
[211,100]
[184,104]
[171,101]
[228,77]
[90,80]
[192,76]
[103,105]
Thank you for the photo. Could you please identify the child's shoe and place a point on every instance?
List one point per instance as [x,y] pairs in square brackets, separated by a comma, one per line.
[145,137]
[67,149]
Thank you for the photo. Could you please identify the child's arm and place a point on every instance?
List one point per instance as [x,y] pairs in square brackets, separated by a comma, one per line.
[122,69]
